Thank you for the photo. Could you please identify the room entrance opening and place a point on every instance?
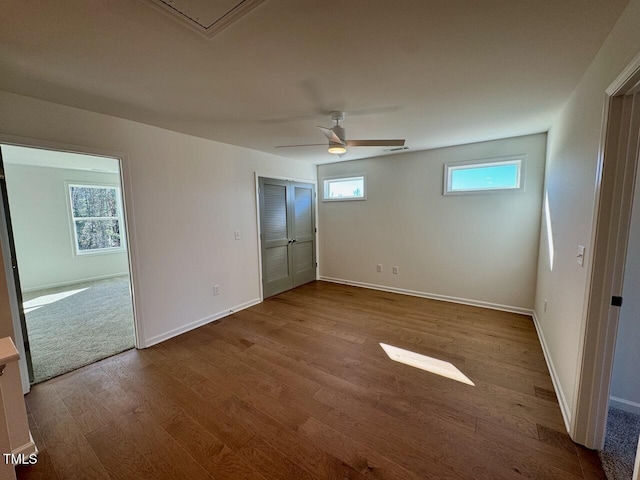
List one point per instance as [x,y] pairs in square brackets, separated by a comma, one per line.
[66,245]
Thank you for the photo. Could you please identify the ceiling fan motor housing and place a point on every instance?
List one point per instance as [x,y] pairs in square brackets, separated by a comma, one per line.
[339,131]
[337,116]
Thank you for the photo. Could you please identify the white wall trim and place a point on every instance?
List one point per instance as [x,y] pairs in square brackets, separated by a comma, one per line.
[26,449]
[626,405]
[198,323]
[433,296]
[75,282]
[256,178]
[562,398]
[13,301]
[289,179]
[636,467]
[623,79]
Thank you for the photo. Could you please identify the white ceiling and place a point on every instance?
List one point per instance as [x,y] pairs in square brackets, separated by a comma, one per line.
[39,157]
[434,72]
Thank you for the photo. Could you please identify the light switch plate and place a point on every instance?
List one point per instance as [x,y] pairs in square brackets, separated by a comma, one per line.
[580,257]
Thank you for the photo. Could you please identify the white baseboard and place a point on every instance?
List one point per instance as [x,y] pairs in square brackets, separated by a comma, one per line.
[198,323]
[433,296]
[636,466]
[562,399]
[26,449]
[73,282]
[626,405]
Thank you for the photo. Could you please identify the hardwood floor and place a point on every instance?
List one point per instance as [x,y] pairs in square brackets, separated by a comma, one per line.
[298,387]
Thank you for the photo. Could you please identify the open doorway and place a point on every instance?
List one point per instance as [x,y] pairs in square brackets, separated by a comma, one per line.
[67,236]
[623,416]
[612,316]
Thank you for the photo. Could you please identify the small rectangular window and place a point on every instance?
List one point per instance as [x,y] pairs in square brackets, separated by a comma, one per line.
[96,217]
[345,188]
[484,175]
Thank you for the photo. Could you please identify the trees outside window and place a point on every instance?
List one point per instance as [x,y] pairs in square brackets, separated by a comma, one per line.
[97,219]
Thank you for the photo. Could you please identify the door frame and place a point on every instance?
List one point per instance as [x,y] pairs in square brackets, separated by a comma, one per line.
[612,214]
[256,179]
[130,237]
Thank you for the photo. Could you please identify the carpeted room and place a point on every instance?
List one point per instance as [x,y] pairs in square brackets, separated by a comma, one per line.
[74,280]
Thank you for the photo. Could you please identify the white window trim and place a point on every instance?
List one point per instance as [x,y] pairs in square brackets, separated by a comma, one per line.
[325,188]
[120,217]
[450,167]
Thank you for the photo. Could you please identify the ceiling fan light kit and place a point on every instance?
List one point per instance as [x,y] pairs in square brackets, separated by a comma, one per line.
[337,149]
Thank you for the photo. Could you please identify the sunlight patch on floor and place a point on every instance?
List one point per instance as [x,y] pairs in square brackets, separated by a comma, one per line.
[428,364]
[36,303]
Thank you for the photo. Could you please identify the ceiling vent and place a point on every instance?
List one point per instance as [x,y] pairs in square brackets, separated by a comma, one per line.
[207,17]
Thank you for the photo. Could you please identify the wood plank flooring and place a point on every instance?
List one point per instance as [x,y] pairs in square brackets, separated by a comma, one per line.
[298,387]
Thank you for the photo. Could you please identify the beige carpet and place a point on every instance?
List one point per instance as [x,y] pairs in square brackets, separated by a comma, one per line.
[75,325]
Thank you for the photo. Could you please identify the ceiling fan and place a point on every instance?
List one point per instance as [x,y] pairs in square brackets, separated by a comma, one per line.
[338,143]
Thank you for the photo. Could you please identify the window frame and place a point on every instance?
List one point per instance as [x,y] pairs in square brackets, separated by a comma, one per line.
[119,217]
[327,180]
[450,167]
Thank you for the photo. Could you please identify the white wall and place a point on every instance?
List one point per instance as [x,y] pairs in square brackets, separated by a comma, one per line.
[570,180]
[42,227]
[625,383]
[184,197]
[481,248]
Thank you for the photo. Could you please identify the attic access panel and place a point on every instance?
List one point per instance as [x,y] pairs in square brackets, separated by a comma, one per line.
[207,17]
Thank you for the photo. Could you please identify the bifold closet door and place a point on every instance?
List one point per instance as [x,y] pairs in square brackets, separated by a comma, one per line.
[303,234]
[287,226]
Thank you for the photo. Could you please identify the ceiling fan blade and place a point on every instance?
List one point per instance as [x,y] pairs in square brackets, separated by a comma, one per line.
[375,143]
[374,110]
[294,118]
[331,135]
[307,145]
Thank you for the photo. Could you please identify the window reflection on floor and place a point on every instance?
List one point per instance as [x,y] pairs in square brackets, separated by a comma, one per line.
[428,364]
[36,303]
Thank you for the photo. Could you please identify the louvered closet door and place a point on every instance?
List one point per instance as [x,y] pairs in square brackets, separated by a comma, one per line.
[303,234]
[287,228]
[275,219]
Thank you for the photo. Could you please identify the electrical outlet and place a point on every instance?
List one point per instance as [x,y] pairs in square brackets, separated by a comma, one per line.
[216,289]
[237,234]
[395,270]
[379,268]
